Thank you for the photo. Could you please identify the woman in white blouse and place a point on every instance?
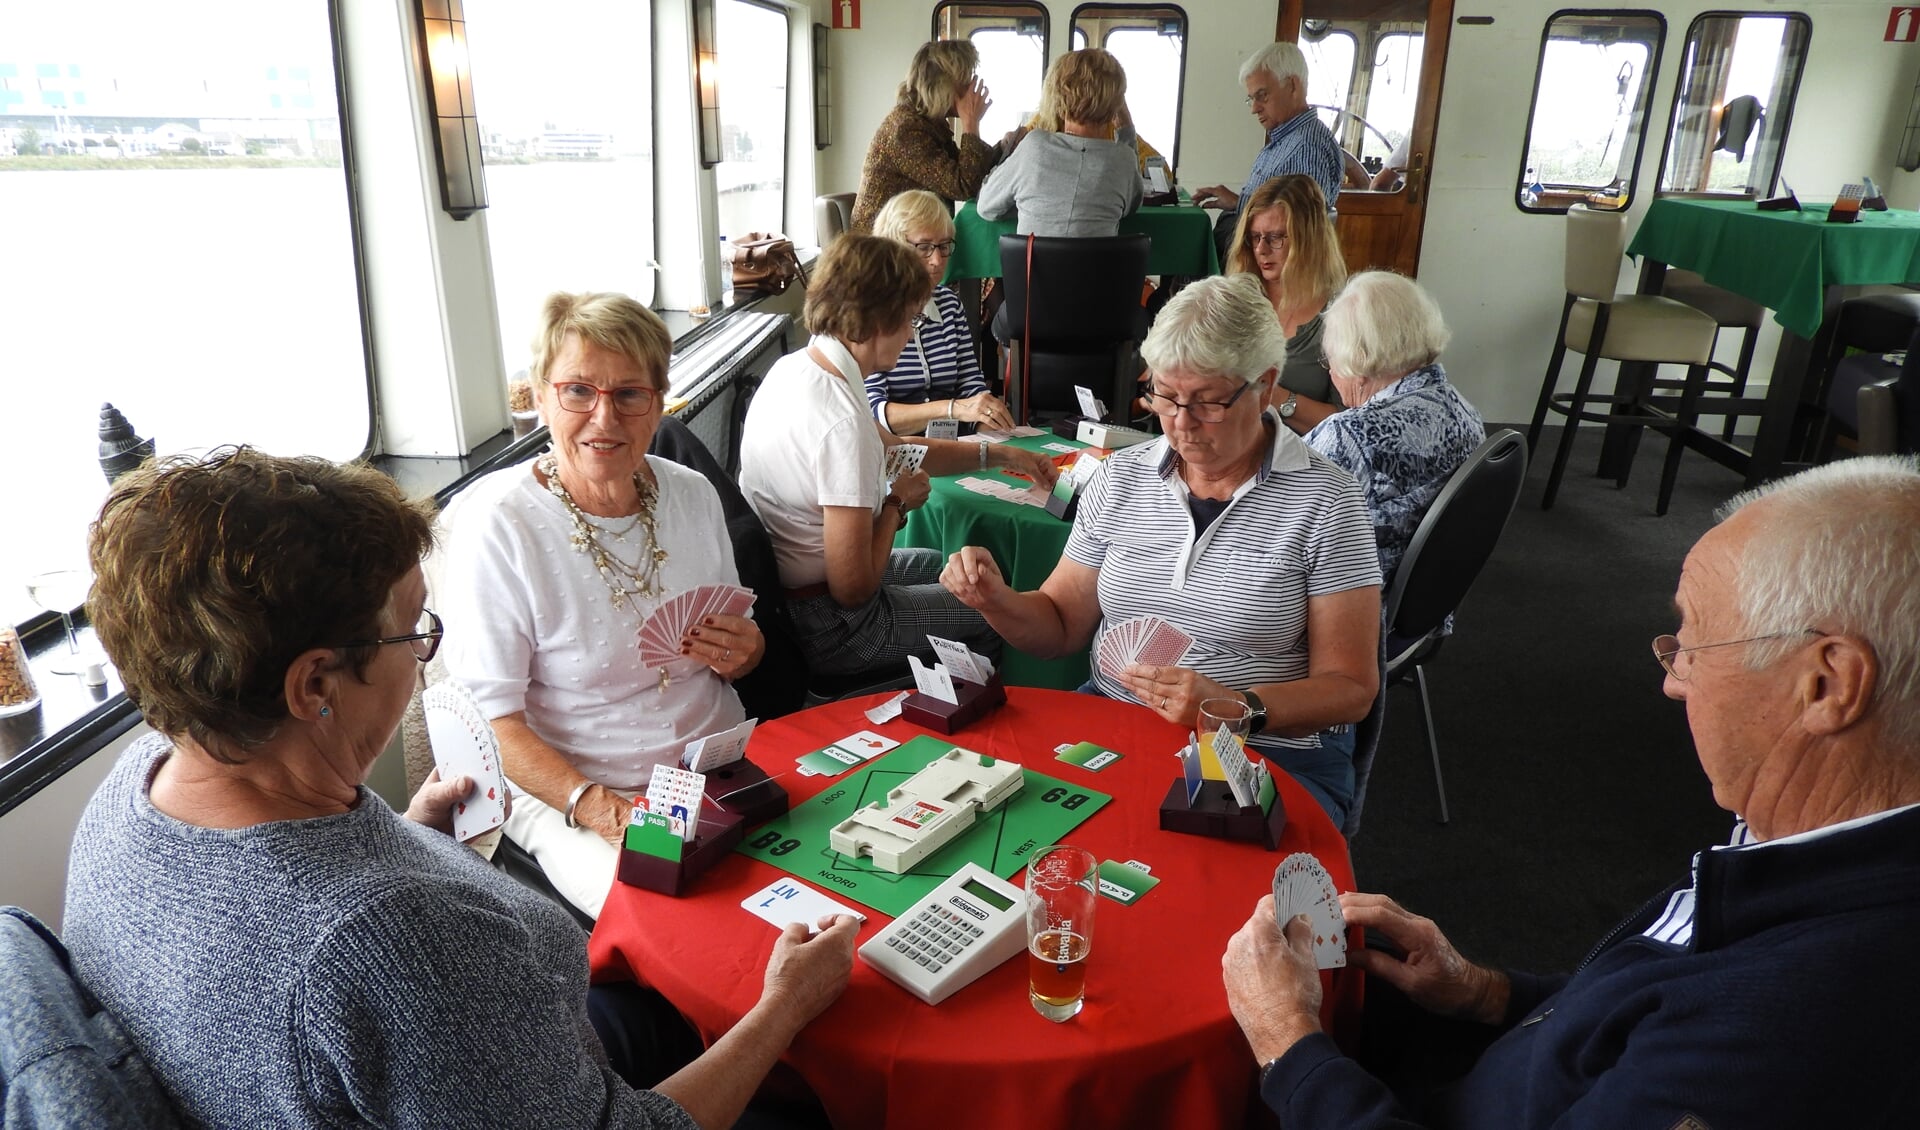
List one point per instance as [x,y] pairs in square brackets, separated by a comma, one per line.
[550,570]
[1231,529]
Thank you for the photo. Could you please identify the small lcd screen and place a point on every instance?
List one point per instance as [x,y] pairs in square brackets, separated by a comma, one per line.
[987,894]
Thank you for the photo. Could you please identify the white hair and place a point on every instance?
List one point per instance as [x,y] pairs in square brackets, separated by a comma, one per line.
[1281,60]
[1217,327]
[1840,553]
[1381,327]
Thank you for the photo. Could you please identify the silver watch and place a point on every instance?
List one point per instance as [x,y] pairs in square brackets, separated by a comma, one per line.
[1288,405]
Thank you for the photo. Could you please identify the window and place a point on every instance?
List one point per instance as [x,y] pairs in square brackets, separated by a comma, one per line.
[1150,41]
[567,138]
[180,243]
[1012,40]
[1363,77]
[752,176]
[1738,78]
[1330,54]
[1587,124]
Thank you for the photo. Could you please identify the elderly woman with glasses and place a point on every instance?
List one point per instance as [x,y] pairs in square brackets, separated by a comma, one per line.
[1286,239]
[552,568]
[937,377]
[282,947]
[1232,530]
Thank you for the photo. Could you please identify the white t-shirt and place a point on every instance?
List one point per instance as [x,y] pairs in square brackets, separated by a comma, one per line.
[809,442]
[531,625]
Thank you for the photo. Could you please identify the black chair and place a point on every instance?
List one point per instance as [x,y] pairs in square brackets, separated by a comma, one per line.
[1447,552]
[1873,324]
[1879,400]
[1086,317]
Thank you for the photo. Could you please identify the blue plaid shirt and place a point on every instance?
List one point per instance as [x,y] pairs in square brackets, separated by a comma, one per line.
[1301,144]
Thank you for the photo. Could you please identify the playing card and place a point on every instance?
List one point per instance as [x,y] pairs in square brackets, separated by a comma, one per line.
[1302,886]
[1164,644]
[904,457]
[464,745]
[785,901]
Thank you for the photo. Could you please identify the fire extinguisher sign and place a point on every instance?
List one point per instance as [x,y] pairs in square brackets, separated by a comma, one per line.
[1903,24]
[846,14]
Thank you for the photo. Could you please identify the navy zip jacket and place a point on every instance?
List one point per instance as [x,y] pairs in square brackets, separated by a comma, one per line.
[1797,1005]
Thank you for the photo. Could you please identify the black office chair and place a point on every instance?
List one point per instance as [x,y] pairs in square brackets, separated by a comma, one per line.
[1447,552]
[1877,400]
[1086,317]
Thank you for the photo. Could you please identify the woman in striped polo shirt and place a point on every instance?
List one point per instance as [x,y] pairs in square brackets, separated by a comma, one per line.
[1233,530]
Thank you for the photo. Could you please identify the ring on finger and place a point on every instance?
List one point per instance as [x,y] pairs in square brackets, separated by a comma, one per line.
[728,656]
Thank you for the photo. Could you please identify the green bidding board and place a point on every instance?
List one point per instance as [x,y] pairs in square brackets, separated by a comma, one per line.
[1039,815]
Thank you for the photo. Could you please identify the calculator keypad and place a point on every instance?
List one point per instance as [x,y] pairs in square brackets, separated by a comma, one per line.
[933,938]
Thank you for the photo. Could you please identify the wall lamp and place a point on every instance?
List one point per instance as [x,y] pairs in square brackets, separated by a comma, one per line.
[706,62]
[456,132]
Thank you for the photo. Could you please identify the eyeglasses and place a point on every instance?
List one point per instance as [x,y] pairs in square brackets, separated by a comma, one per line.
[929,250]
[1267,239]
[1205,411]
[1668,651]
[1257,98]
[425,642]
[628,400]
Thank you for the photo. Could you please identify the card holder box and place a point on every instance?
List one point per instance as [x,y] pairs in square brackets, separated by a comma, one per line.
[744,789]
[719,832]
[976,702]
[1216,813]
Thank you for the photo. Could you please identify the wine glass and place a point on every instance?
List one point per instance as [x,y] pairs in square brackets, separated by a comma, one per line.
[63,590]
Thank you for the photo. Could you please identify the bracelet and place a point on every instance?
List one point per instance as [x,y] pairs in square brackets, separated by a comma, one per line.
[949,407]
[573,801]
[983,455]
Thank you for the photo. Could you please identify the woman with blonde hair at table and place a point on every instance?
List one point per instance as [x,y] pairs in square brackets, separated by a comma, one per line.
[1286,239]
[812,465]
[915,147]
[1231,529]
[1082,179]
[938,373]
[282,948]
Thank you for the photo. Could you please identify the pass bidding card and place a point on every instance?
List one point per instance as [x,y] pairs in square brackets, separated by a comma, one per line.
[1086,755]
[1125,882]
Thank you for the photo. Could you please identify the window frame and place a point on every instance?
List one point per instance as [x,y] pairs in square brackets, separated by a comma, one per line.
[1650,79]
[1786,123]
[1186,38]
[1033,6]
[786,133]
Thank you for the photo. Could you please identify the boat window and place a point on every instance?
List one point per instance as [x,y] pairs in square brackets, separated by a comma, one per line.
[567,140]
[1150,41]
[179,242]
[1330,53]
[1739,74]
[1012,40]
[1363,78]
[753,117]
[1586,127]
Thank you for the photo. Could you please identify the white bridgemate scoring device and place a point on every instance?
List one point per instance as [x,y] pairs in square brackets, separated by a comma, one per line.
[927,810]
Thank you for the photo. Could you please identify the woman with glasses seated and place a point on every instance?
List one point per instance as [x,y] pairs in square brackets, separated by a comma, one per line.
[1286,239]
[1231,529]
[283,948]
[813,465]
[938,374]
[550,570]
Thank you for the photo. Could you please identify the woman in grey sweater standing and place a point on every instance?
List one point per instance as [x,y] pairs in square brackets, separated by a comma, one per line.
[282,947]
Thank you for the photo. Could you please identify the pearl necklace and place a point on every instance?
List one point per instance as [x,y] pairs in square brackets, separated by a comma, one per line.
[624,581]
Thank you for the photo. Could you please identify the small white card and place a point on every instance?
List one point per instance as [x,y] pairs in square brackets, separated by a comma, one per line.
[887,710]
[677,794]
[960,661]
[934,682]
[943,428]
[786,901]
[704,755]
[1090,405]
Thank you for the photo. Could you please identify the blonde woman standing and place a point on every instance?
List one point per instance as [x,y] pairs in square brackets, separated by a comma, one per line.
[915,147]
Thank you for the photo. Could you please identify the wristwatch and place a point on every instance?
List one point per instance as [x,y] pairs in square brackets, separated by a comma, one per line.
[1288,405]
[1257,721]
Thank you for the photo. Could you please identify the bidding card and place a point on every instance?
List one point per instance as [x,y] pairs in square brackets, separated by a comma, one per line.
[785,901]
[1125,882]
[715,750]
[1090,405]
[934,681]
[464,745]
[678,794]
[1086,755]
[1302,886]
[960,661]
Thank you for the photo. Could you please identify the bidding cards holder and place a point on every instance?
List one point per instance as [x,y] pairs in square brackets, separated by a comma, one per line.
[744,789]
[974,702]
[1199,807]
[654,857]
[1846,209]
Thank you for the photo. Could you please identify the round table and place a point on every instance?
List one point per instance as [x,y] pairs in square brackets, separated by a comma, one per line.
[1025,540]
[1155,1045]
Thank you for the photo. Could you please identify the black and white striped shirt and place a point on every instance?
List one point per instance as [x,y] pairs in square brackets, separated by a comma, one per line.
[1296,530]
[937,364]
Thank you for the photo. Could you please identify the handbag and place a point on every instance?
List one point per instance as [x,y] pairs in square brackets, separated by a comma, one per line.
[763,263]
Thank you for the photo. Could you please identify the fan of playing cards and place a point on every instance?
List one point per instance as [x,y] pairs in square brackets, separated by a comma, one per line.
[1143,639]
[660,636]
[903,457]
[1302,886]
[464,745]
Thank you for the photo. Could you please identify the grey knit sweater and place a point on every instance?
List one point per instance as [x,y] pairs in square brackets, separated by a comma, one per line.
[342,971]
[1062,185]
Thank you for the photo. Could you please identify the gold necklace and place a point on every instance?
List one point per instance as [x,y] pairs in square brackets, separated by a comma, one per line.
[623,581]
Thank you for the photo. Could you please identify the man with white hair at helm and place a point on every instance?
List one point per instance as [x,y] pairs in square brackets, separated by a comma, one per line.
[1275,78]
[1772,987]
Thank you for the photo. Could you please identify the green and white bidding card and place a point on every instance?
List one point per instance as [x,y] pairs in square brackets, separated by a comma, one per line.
[1086,755]
[1124,883]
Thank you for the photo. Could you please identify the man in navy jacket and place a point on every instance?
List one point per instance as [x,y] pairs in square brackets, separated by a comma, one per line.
[1775,986]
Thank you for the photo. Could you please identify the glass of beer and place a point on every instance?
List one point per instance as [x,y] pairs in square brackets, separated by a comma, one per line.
[1062,886]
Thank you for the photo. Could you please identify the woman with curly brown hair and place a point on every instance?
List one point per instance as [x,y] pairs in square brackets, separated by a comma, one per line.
[915,147]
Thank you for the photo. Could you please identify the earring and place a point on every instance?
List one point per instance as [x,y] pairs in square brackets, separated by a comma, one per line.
[325,710]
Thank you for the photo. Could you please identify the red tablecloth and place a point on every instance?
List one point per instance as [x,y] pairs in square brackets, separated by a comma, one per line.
[1155,1045]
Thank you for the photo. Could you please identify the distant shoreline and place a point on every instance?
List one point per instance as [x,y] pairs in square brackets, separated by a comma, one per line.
[41,164]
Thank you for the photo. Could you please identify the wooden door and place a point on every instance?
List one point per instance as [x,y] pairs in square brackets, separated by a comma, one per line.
[1379,227]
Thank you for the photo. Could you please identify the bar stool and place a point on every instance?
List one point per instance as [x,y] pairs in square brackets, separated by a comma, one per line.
[1729,311]
[1872,324]
[1633,327]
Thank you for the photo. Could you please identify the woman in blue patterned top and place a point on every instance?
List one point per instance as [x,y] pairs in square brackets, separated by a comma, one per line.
[938,374]
[1408,429]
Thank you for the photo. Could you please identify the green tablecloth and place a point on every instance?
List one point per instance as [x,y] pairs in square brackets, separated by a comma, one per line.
[1025,540]
[1182,242]
[1783,260]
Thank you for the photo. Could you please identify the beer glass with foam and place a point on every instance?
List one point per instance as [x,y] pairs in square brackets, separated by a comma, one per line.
[1062,887]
